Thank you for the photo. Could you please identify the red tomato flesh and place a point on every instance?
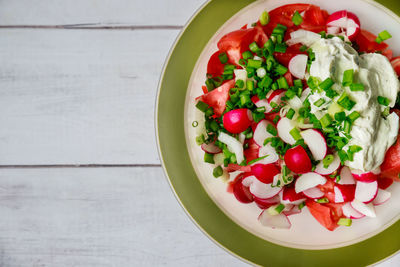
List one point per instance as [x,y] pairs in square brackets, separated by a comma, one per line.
[217,98]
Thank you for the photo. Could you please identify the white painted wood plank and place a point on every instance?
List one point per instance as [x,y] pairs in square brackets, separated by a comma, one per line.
[104,12]
[80,96]
[98,217]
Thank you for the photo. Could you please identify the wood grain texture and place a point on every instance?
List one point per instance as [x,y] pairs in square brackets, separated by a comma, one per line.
[98,217]
[97,13]
[80,97]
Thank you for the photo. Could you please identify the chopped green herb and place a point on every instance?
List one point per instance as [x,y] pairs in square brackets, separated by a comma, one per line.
[344,222]
[348,77]
[346,102]
[276,119]
[327,161]
[280,69]
[200,139]
[295,133]
[302,205]
[209,158]
[252,63]
[250,85]
[290,94]
[218,171]
[282,83]
[340,116]
[383,36]
[254,47]
[239,83]
[280,48]
[256,160]
[247,54]
[383,101]
[265,82]
[353,116]
[323,200]
[202,106]
[298,83]
[323,34]
[355,149]
[280,208]
[290,113]
[357,87]
[272,130]
[297,18]
[223,57]
[303,48]
[347,126]
[264,18]
[319,102]
[343,156]
[261,109]
[326,120]
[326,84]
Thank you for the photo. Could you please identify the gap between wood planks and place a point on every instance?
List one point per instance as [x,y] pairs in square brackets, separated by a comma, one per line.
[95,26]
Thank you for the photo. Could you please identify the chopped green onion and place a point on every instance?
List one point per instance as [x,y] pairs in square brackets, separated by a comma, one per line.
[355,149]
[343,156]
[239,83]
[280,208]
[264,18]
[272,130]
[256,160]
[295,133]
[346,102]
[229,67]
[250,85]
[280,69]
[195,123]
[247,54]
[218,171]
[280,48]
[326,84]
[383,101]
[260,109]
[244,99]
[303,48]
[340,116]
[202,106]
[269,45]
[254,47]
[348,77]
[313,82]
[297,19]
[347,126]
[353,116]
[319,102]
[276,119]
[323,200]
[252,63]
[282,83]
[265,82]
[302,205]
[200,140]
[327,161]
[326,120]
[323,34]
[298,83]
[223,57]
[344,222]
[290,114]
[290,94]
[210,84]
[273,104]
[209,158]
[257,117]
[386,112]
[383,36]
[209,112]
[274,86]
[357,87]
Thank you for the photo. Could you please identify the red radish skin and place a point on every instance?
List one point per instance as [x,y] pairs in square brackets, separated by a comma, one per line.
[289,196]
[346,177]
[241,192]
[344,193]
[297,160]
[265,172]
[309,180]
[316,142]
[366,177]
[384,183]
[266,203]
[210,148]
[345,20]
[366,192]
[381,197]
[313,193]
[259,189]
[294,210]
[238,120]
[351,213]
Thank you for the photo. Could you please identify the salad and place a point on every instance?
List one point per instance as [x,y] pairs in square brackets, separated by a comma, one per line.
[301,110]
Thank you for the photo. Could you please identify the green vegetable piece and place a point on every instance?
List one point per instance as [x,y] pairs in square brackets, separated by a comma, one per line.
[223,57]
[357,87]
[218,171]
[383,36]
[344,222]
[297,18]
[326,120]
[202,106]
[353,116]
[295,133]
[272,130]
[280,48]
[322,200]
[209,158]
[383,101]
[290,114]
[327,161]
[348,77]
[254,47]
[247,54]
[319,102]
[340,116]
[326,84]
[252,63]
[280,208]
[264,18]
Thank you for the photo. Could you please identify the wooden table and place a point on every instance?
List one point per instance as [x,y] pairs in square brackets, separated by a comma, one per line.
[80,179]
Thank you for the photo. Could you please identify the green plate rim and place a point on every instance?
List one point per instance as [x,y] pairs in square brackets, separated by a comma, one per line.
[186,186]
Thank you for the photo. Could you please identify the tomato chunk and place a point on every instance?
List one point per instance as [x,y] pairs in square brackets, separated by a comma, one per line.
[215,67]
[323,214]
[396,65]
[366,42]
[217,98]
[391,164]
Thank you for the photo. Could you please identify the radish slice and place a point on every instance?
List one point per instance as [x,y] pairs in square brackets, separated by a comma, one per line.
[298,65]
[210,148]
[345,20]
[308,180]
[260,133]
[268,151]
[289,196]
[366,177]
[302,36]
[284,127]
[333,30]
[366,209]
[294,210]
[313,193]
[241,192]
[346,177]
[331,168]
[315,142]
[344,193]
[366,192]
[266,203]
[259,189]
[279,221]
[233,145]
[351,213]
[381,197]
[262,103]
